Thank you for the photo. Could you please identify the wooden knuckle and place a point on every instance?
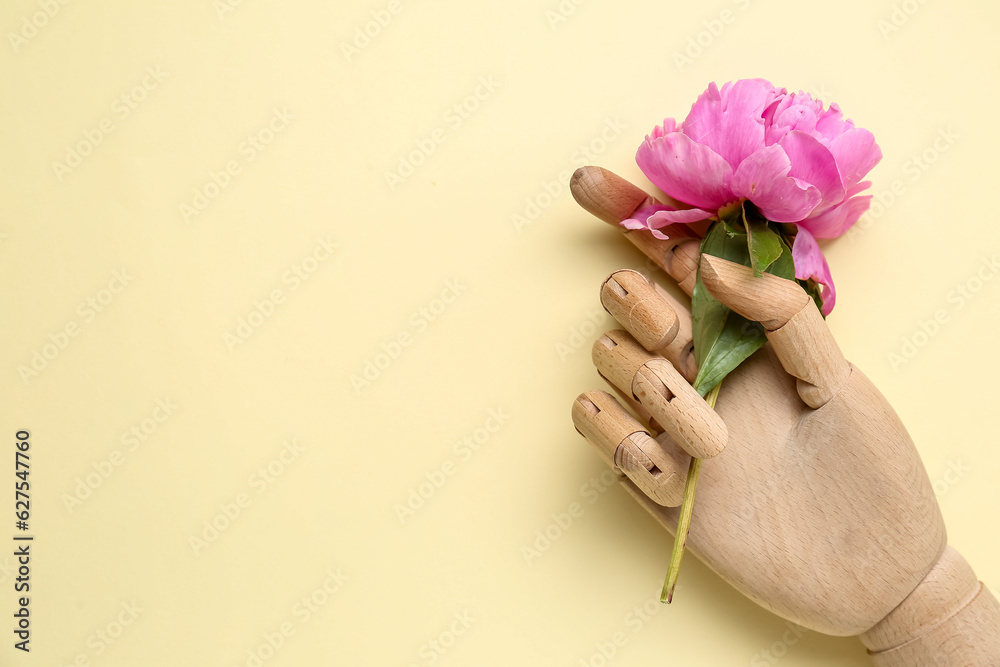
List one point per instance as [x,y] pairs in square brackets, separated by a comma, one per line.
[682,263]
[618,356]
[602,420]
[648,465]
[679,409]
[630,298]
[809,353]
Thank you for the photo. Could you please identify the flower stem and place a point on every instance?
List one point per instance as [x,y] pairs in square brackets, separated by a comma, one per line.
[684,522]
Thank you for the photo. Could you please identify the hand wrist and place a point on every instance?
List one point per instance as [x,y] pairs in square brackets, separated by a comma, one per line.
[949,619]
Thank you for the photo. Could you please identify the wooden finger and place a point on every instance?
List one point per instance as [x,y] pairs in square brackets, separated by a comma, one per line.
[606,195]
[660,389]
[793,323]
[612,199]
[630,298]
[653,316]
[657,467]
[652,426]
[681,263]
[680,351]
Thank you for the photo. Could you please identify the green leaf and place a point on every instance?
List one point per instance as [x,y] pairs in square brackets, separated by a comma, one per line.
[784,266]
[738,339]
[763,242]
[733,220]
[731,229]
[724,339]
[710,315]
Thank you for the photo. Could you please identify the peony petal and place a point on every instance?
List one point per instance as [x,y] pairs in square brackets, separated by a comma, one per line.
[729,121]
[638,218]
[799,117]
[814,163]
[768,115]
[811,265]
[687,171]
[763,179]
[658,216]
[798,111]
[832,124]
[643,212]
[856,153]
[856,188]
[669,125]
[666,217]
[834,222]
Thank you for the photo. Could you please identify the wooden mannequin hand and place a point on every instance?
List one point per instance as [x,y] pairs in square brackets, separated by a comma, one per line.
[813,501]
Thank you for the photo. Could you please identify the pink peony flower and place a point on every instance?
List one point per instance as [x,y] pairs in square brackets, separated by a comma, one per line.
[795,160]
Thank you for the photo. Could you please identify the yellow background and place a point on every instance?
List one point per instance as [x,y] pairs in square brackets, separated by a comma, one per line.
[592,76]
